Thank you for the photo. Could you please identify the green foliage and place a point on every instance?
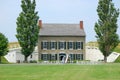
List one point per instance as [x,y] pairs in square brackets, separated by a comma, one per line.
[106,27]
[3,45]
[33,61]
[117,49]
[117,60]
[27,28]
[59,72]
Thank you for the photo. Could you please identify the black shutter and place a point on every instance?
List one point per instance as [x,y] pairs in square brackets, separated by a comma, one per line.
[64,45]
[76,56]
[67,45]
[73,45]
[55,56]
[81,45]
[55,45]
[59,45]
[48,46]
[73,56]
[81,56]
[50,56]
[76,45]
[41,56]
[41,45]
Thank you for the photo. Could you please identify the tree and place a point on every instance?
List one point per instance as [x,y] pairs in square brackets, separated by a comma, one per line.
[27,28]
[3,45]
[106,27]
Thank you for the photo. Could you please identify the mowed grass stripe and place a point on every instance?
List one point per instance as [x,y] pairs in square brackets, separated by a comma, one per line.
[60,72]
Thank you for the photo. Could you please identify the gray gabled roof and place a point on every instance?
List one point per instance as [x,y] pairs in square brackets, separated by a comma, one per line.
[61,30]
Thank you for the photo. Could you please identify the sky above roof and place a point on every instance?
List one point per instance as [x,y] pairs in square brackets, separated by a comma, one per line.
[53,11]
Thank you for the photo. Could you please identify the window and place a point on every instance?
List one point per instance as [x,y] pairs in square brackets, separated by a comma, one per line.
[44,57]
[72,56]
[70,45]
[31,56]
[44,45]
[48,57]
[76,56]
[79,45]
[53,45]
[53,57]
[79,56]
[62,45]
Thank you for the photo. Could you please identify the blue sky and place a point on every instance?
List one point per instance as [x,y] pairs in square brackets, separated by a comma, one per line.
[53,11]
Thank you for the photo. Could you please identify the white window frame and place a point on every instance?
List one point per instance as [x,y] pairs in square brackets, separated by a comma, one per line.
[53,56]
[72,45]
[72,57]
[45,57]
[54,45]
[43,45]
[63,45]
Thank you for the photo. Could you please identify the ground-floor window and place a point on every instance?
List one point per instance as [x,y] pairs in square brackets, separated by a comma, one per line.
[79,56]
[48,57]
[76,56]
[72,56]
[44,57]
[54,57]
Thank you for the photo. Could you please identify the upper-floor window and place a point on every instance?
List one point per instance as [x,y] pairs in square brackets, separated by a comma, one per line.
[62,45]
[70,45]
[79,45]
[53,45]
[44,45]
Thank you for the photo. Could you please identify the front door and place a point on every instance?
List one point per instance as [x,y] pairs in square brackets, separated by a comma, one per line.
[62,56]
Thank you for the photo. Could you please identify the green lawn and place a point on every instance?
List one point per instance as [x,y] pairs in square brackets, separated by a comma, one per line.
[59,72]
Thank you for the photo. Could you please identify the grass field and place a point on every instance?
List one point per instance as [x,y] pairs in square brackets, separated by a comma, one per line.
[59,72]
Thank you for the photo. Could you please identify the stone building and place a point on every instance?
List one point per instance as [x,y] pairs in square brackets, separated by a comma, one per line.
[61,42]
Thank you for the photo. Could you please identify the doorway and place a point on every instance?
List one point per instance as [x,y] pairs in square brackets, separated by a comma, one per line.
[62,56]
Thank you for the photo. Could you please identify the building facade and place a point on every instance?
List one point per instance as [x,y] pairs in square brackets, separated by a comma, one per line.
[15,56]
[12,45]
[61,42]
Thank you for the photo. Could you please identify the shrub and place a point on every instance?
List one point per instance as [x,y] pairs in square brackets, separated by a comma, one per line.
[33,61]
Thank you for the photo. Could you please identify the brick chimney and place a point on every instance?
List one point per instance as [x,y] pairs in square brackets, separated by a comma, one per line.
[81,24]
[40,23]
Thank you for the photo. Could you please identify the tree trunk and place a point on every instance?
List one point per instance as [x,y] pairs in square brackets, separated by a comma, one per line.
[25,59]
[105,59]
[0,59]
